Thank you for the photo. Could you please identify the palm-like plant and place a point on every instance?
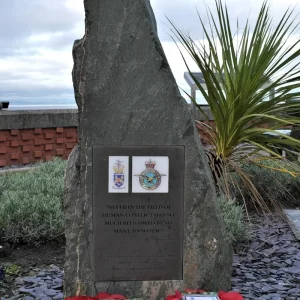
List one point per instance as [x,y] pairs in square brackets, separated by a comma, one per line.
[240,72]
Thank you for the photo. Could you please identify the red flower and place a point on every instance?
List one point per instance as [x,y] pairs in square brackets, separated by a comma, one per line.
[178,295]
[102,296]
[230,296]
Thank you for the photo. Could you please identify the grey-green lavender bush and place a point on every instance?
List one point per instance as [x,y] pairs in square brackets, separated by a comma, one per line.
[233,215]
[31,203]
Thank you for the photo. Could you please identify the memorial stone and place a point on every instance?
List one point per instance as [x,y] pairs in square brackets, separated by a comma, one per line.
[140,206]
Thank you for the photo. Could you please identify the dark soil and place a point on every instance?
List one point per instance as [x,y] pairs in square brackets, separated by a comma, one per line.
[27,257]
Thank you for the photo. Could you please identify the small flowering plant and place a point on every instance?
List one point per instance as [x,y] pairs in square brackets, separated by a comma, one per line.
[201,293]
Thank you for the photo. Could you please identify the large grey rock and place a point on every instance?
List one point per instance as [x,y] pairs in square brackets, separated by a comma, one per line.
[127,95]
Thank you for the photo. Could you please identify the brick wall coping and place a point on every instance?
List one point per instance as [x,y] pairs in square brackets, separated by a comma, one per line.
[23,119]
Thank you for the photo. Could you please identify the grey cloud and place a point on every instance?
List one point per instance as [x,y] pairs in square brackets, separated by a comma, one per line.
[22,95]
[177,11]
[14,77]
[184,14]
[37,80]
[23,46]
[56,41]
[14,49]
[21,18]
[63,40]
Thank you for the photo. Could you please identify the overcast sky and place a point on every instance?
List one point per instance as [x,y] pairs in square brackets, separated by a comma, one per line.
[36,38]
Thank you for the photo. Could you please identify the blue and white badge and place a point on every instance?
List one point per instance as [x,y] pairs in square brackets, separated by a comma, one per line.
[118,174]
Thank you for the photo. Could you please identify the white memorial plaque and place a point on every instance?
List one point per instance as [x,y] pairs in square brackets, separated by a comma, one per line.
[201,297]
[150,174]
[118,174]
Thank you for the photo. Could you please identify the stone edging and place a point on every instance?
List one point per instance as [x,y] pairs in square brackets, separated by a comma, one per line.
[24,119]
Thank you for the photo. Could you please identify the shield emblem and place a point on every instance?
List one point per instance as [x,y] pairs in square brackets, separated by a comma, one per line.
[118,180]
[119,176]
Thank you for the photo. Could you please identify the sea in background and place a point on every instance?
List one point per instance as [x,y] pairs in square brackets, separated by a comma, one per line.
[41,107]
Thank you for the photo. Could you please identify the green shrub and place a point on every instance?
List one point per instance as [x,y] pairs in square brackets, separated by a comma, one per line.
[31,203]
[272,185]
[236,228]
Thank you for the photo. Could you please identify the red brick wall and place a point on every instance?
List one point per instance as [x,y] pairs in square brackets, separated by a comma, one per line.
[202,130]
[24,146]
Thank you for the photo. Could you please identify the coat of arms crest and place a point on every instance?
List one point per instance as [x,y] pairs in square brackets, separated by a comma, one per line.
[119,175]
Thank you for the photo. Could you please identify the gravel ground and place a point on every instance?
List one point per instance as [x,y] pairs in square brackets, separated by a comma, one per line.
[42,284]
[266,268]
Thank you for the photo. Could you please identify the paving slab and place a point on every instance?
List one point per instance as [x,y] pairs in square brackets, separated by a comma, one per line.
[293,219]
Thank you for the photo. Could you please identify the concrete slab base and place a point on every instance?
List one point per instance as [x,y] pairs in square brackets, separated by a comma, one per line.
[293,219]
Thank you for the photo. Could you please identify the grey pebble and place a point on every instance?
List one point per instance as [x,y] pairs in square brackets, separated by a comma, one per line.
[57,286]
[272,258]
[31,279]
[51,292]
[54,269]
[25,290]
[58,296]
[32,286]
[49,281]
[47,278]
